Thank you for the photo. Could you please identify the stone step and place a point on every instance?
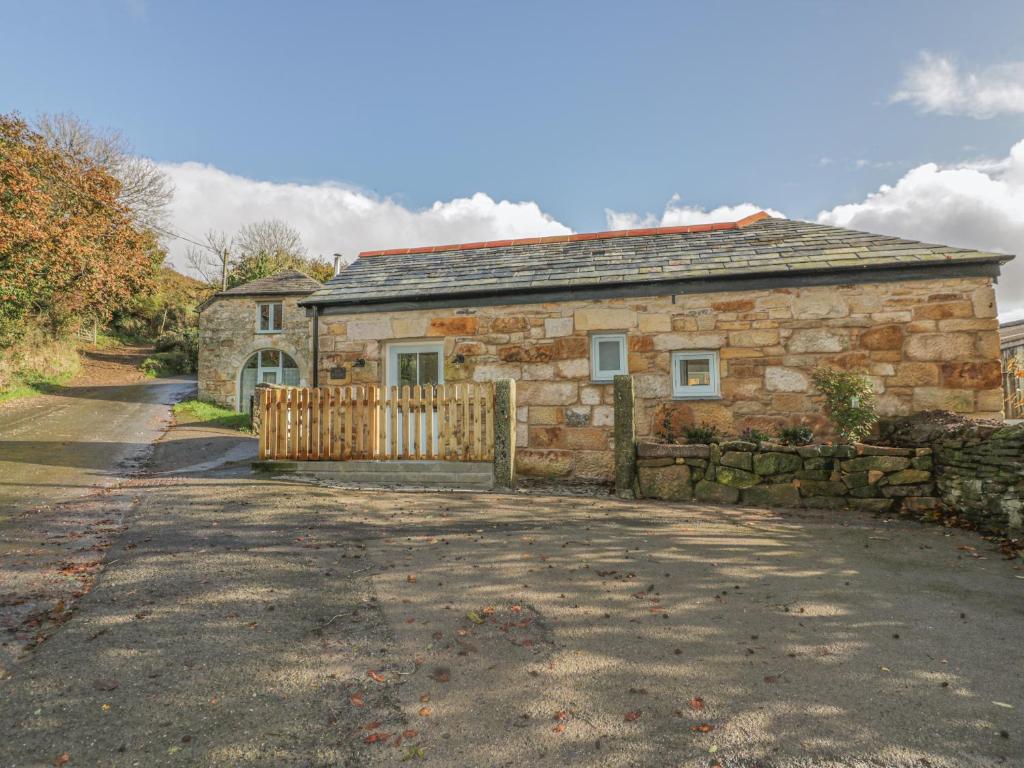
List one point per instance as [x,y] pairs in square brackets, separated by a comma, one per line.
[393,478]
[476,475]
[422,481]
[402,467]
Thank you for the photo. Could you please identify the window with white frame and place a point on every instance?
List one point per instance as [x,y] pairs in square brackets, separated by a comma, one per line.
[269,316]
[607,356]
[695,374]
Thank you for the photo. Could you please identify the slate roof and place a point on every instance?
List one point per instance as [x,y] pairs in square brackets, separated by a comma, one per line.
[1011,335]
[755,246]
[288,281]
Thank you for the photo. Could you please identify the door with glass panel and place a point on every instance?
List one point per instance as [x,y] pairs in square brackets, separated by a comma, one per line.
[414,365]
[268,366]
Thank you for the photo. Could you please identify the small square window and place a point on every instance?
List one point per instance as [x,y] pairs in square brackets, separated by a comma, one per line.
[269,316]
[695,374]
[607,356]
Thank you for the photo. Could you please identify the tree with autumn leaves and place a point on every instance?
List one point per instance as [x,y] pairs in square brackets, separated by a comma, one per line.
[69,247]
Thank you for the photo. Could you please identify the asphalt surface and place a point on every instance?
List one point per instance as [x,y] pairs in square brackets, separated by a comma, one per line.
[242,620]
[62,446]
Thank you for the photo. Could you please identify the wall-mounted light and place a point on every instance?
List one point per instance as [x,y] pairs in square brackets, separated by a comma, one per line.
[360,363]
[459,359]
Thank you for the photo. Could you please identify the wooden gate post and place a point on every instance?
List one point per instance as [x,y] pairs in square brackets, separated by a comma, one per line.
[505,433]
[625,437]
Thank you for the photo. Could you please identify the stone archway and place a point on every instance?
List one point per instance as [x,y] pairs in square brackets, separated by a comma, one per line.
[265,366]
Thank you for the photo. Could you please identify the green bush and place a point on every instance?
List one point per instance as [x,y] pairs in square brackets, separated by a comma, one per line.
[702,434]
[798,435]
[849,401]
[183,340]
[755,436]
[170,363]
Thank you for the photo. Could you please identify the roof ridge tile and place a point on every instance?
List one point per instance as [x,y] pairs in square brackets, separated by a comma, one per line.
[608,235]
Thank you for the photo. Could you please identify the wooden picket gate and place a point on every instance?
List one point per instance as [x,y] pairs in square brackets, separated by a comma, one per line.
[451,422]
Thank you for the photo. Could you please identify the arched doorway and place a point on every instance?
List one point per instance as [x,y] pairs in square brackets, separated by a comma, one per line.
[268,366]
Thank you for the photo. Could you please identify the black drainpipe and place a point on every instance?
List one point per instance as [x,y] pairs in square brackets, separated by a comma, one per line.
[316,345]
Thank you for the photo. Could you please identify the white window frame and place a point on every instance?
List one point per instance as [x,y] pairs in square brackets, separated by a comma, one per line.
[604,377]
[419,347]
[702,392]
[276,312]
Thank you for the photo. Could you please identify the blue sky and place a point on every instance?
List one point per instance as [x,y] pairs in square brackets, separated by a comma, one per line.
[578,108]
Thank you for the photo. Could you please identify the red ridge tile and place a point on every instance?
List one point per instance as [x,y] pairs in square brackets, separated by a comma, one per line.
[683,229]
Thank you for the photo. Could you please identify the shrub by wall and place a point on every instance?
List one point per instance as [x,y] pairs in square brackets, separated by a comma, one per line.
[865,477]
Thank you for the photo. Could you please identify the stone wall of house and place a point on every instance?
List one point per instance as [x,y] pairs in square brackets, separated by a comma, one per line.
[865,477]
[228,338]
[926,344]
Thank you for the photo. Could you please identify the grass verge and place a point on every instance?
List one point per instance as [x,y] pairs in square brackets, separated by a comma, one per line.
[212,415]
[32,389]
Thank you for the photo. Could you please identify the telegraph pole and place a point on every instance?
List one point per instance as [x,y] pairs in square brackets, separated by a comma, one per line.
[224,270]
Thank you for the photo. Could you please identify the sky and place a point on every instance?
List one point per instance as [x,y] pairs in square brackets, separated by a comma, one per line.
[392,124]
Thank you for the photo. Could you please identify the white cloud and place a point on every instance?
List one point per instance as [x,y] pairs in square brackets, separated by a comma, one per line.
[972,205]
[676,215]
[935,84]
[333,217]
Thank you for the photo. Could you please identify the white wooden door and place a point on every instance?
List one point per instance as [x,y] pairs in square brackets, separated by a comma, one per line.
[415,364]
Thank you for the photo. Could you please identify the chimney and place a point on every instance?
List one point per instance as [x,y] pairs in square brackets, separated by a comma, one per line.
[339,263]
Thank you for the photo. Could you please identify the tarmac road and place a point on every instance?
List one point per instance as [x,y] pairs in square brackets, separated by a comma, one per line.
[59,447]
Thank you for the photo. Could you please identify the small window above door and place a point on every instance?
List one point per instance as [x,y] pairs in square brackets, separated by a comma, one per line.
[269,316]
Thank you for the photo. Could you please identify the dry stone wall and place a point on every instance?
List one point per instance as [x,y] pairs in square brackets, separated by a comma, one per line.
[864,477]
[979,467]
[925,344]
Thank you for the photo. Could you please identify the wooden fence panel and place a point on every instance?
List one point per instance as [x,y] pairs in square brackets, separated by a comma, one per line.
[452,422]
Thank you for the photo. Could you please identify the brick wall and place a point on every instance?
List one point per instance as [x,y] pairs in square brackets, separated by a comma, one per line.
[228,338]
[926,344]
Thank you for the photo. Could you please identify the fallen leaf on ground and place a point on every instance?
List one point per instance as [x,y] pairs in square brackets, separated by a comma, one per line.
[441,674]
[377,677]
[702,728]
[696,703]
[62,759]
[632,716]
[357,700]
[410,734]
[475,617]
[424,711]
[771,679]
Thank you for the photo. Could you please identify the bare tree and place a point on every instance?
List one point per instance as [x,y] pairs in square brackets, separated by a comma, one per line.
[145,189]
[212,261]
[260,249]
[273,237]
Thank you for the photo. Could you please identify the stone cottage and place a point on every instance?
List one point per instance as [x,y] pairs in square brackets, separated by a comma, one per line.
[254,333]
[718,323]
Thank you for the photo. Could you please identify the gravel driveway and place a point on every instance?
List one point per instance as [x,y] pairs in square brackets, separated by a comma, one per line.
[247,621]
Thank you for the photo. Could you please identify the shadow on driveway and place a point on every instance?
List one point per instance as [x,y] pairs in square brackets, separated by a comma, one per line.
[240,618]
